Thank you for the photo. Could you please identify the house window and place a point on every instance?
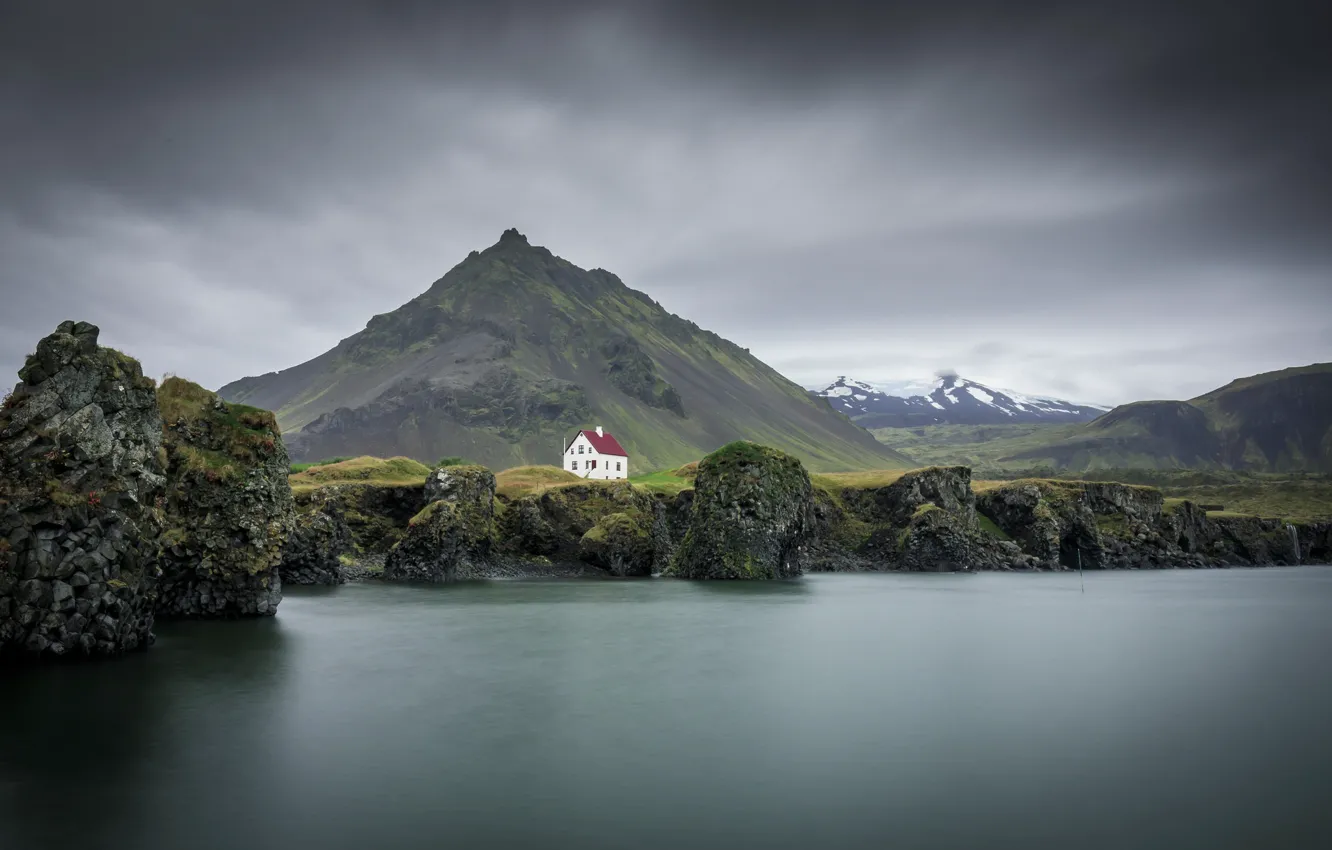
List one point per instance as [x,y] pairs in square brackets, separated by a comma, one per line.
[617,466]
[580,449]
[575,465]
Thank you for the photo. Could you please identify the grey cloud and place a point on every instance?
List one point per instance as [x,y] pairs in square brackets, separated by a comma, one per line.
[873,189]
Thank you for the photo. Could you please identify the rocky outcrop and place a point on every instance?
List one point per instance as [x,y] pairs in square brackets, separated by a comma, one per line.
[81,486]
[376,516]
[1096,525]
[947,487]
[453,537]
[925,520]
[751,516]
[315,549]
[571,524]
[622,544]
[229,507]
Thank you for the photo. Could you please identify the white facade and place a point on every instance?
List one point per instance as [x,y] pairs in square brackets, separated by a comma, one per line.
[584,460]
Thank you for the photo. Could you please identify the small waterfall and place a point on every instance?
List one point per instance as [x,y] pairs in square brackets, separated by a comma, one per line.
[1295,543]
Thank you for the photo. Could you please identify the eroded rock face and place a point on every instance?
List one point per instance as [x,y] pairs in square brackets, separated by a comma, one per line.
[1119,526]
[948,487]
[229,507]
[81,484]
[750,518]
[316,546]
[625,543]
[453,537]
[572,524]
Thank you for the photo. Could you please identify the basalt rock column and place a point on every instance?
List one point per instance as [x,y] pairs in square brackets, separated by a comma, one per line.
[81,486]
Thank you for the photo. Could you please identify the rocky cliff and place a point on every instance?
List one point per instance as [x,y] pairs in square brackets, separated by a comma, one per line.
[229,507]
[81,490]
[612,526]
[318,542]
[1098,525]
[751,516]
[453,537]
[926,520]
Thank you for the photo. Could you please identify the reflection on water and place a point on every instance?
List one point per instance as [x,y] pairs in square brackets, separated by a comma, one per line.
[1156,710]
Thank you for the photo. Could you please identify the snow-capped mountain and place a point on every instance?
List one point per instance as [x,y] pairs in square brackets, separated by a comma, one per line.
[947,399]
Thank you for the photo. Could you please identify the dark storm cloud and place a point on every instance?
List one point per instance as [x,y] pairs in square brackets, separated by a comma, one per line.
[1102,200]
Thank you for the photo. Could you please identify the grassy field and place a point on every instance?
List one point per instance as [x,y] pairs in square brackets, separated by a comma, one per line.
[525,480]
[383,472]
[977,446]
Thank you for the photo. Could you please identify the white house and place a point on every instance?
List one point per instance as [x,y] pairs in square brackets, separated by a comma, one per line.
[596,454]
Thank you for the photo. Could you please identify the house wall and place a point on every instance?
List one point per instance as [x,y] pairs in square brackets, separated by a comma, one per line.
[605,469]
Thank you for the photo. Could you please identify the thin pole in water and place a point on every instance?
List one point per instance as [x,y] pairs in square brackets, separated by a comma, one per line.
[1081,581]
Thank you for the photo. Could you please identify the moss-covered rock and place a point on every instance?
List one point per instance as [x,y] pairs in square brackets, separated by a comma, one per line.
[947,487]
[229,506]
[751,515]
[551,524]
[460,483]
[623,544]
[453,537]
[81,487]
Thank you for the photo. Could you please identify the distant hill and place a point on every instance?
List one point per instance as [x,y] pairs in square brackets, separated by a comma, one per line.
[1274,422]
[946,400]
[514,348]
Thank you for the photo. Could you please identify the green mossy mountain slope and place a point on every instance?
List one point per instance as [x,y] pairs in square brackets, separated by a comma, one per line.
[1274,422]
[514,348]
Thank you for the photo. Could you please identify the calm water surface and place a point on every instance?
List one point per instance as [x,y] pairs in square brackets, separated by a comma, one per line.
[1158,709]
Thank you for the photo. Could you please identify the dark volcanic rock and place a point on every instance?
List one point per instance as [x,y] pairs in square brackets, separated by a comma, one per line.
[752,513]
[1098,525]
[229,507]
[570,524]
[316,546]
[926,520]
[81,478]
[948,487]
[453,537]
[459,483]
[622,544]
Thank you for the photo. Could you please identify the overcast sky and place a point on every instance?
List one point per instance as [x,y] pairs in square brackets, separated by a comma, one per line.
[1104,201]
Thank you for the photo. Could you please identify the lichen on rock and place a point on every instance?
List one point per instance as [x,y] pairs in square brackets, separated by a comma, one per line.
[750,517]
[81,482]
[229,506]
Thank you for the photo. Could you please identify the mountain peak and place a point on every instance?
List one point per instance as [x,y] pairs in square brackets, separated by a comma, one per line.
[513,236]
[948,398]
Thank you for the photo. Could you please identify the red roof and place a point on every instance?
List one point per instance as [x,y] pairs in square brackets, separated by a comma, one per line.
[605,444]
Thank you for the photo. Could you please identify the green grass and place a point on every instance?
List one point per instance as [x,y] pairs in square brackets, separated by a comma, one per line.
[987,525]
[1295,497]
[857,480]
[527,480]
[301,467]
[245,434]
[668,481]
